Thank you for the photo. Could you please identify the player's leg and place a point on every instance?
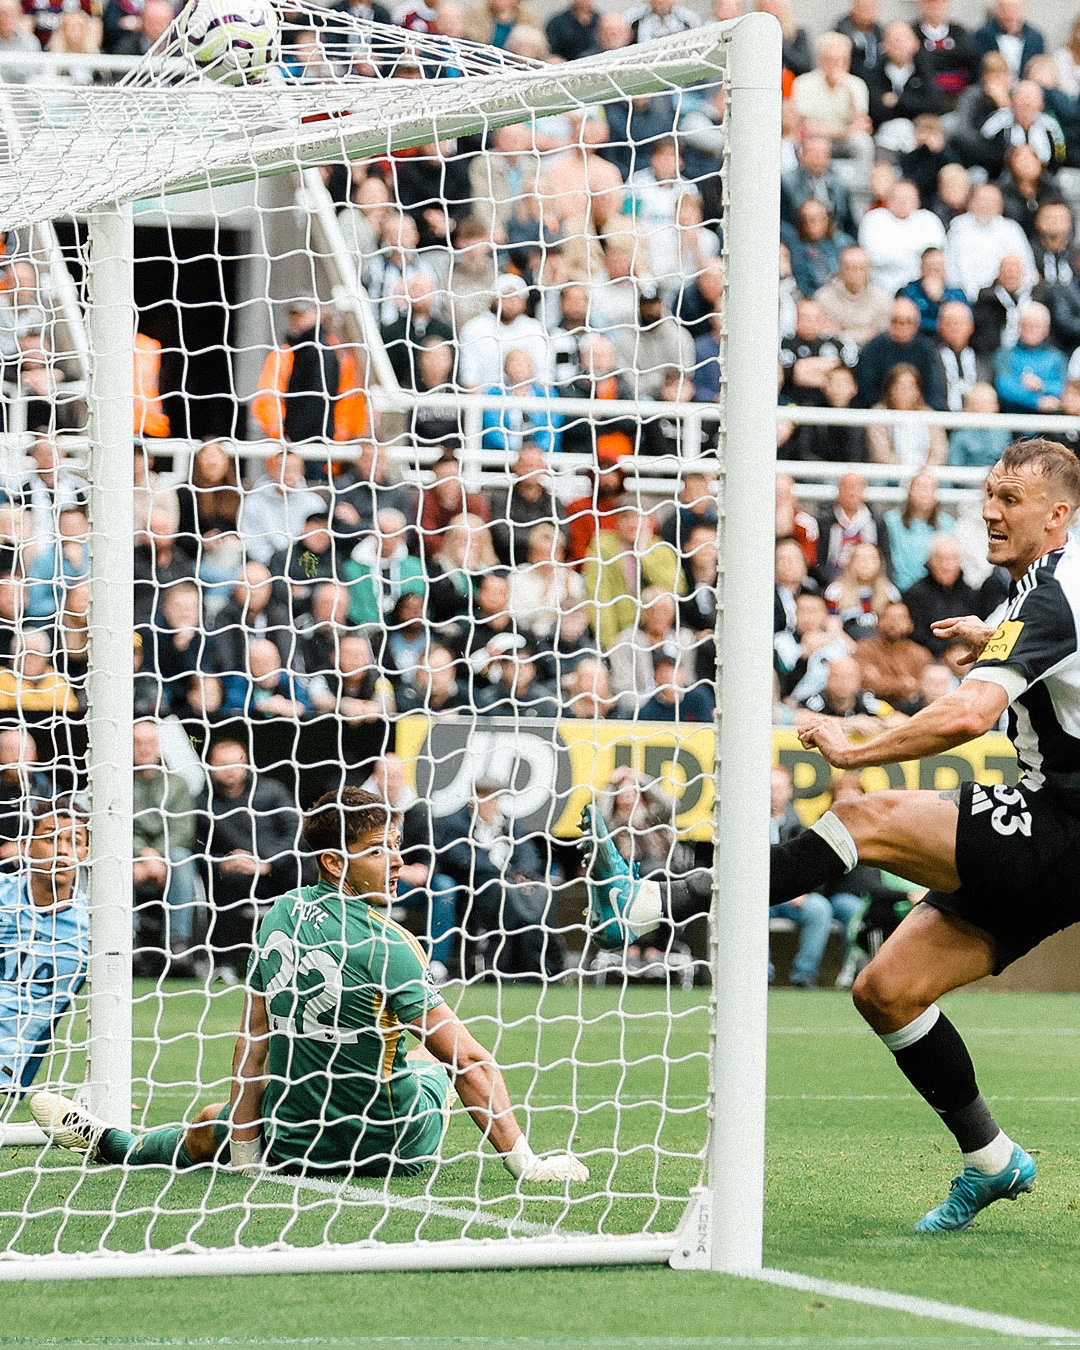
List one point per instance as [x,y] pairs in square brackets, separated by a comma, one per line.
[170,1145]
[421,1134]
[928,955]
[812,915]
[910,833]
[420,1054]
[26,1036]
[72,1126]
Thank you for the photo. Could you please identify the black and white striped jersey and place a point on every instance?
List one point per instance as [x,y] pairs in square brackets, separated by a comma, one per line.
[1035,656]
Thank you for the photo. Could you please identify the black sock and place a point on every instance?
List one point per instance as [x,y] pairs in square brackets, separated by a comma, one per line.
[940,1070]
[801,865]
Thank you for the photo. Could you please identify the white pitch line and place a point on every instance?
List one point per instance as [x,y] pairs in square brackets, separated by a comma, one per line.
[506,1343]
[422,1204]
[886,1097]
[955,1313]
[638,1099]
[829,1033]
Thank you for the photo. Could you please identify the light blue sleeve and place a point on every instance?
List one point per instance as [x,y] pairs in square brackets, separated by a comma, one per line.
[43,959]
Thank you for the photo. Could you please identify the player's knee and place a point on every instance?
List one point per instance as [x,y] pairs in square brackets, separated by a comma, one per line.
[868,818]
[202,1141]
[876,996]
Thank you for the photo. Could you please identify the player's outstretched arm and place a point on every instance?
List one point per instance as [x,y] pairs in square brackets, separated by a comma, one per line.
[249,1084]
[483,1092]
[969,711]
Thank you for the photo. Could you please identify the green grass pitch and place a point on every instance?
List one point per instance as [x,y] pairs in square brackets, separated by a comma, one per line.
[854,1158]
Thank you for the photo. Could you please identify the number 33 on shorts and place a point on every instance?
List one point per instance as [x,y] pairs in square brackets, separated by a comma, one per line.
[1009,808]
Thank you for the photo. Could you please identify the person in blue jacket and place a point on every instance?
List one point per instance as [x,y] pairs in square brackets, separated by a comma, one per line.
[509,428]
[1030,377]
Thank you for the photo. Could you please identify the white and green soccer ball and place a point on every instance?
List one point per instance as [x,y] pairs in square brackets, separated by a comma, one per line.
[233,41]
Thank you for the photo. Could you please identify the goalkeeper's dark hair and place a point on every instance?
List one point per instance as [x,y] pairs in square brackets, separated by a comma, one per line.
[338,819]
[1049,459]
[67,806]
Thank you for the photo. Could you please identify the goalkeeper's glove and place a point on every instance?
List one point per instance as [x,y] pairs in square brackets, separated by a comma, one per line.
[622,907]
[524,1165]
[245,1156]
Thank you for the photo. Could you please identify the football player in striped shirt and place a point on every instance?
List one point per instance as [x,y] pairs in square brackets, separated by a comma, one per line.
[1001,862]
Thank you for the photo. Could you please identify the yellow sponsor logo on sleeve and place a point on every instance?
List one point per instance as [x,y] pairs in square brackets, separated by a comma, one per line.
[1000,646]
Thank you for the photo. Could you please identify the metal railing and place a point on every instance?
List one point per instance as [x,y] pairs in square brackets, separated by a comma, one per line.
[649,474]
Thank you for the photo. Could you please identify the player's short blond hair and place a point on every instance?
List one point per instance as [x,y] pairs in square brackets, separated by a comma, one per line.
[1055,462]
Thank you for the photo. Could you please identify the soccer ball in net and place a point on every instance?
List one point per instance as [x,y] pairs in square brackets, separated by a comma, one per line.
[233,41]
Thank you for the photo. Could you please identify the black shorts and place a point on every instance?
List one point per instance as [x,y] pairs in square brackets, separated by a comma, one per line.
[1018,859]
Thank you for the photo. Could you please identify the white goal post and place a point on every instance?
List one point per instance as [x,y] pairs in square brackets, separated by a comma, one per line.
[152,138]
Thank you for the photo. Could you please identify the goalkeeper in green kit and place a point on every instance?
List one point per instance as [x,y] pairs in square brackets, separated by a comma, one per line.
[321,1079]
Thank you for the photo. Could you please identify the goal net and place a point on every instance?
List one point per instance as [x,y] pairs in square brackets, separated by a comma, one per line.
[396,414]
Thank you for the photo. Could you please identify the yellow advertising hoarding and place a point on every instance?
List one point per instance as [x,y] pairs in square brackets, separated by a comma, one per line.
[550,772]
[990,759]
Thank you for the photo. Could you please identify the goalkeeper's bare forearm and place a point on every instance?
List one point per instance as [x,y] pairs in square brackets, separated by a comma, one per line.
[249,1071]
[477,1078]
[482,1090]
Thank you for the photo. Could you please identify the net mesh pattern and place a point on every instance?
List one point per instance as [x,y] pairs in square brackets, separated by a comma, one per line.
[425,454]
[167,126]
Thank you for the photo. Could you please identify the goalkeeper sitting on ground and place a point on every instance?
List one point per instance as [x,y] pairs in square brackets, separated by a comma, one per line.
[321,1081]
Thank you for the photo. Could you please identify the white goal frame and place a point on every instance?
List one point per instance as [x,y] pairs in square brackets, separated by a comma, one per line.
[722,1228]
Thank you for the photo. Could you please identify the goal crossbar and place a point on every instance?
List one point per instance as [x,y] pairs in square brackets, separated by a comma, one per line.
[124,143]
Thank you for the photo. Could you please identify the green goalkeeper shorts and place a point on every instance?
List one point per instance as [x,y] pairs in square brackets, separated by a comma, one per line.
[419,1144]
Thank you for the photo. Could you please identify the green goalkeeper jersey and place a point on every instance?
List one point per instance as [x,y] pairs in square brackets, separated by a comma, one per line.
[340,978]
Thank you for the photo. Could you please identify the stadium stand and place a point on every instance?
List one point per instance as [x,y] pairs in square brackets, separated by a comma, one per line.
[477,557]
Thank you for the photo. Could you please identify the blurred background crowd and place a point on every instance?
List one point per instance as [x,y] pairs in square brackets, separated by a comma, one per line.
[557,560]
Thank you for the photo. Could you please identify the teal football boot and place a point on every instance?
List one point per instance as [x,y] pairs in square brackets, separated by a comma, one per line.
[973,1190]
[622,908]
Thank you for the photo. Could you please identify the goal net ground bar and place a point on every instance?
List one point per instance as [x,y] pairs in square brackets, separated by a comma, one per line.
[507,1253]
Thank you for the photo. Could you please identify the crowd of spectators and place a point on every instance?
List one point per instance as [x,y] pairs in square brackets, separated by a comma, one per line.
[925,165]
[857,593]
[275,603]
[285,597]
[929,229]
[927,259]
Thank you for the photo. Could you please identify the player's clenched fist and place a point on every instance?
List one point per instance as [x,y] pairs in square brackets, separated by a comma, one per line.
[827,734]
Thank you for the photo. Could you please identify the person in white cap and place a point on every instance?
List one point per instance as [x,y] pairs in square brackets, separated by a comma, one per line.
[485,341]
